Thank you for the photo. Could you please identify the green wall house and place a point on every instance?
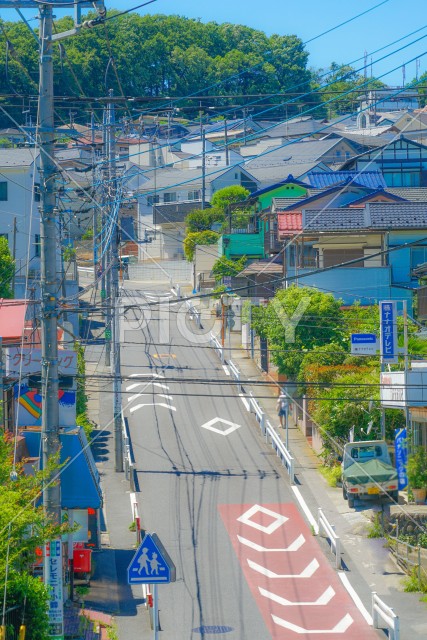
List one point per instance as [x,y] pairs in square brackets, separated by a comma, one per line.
[251,242]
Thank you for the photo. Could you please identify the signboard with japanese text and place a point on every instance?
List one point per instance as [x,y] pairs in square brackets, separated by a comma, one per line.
[388,328]
[22,361]
[28,407]
[364,343]
[53,578]
[401,456]
[398,390]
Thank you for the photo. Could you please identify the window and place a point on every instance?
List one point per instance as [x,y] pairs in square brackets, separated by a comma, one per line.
[3,191]
[152,200]
[37,245]
[332,257]
[169,197]
[194,195]
[338,153]
[418,256]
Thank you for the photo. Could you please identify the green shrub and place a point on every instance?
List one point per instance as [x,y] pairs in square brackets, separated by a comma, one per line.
[331,474]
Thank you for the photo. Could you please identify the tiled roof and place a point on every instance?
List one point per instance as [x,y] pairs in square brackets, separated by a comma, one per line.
[408,215]
[413,194]
[261,267]
[333,219]
[17,157]
[325,179]
[175,211]
[375,215]
[290,221]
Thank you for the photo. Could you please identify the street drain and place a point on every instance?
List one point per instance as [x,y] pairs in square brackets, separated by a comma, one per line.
[213,629]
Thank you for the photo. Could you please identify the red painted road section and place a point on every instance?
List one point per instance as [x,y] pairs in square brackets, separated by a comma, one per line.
[280,527]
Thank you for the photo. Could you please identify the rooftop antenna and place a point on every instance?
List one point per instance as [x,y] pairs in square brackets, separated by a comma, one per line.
[403,75]
[417,68]
[365,65]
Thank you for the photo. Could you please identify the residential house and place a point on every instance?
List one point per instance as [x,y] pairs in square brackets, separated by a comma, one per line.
[19,202]
[259,238]
[402,162]
[374,238]
[181,187]
[330,152]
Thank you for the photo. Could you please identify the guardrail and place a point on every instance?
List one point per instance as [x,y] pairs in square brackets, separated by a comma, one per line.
[381,610]
[235,373]
[128,463]
[194,314]
[281,450]
[334,540]
[254,407]
[216,345]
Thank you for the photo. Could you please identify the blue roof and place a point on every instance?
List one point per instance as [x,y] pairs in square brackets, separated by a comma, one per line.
[325,179]
[79,476]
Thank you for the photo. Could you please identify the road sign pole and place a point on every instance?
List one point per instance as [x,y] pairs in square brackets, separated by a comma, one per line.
[155,612]
[287,427]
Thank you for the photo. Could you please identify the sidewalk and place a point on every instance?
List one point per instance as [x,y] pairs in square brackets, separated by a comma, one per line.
[109,591]
[367,563]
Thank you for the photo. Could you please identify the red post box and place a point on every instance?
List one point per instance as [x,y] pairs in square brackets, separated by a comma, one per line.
[82,560]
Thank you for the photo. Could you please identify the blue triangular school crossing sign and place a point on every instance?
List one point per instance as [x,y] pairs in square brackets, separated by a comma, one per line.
[151,564]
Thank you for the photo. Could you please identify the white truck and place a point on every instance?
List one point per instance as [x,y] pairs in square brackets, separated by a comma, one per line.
[367,472]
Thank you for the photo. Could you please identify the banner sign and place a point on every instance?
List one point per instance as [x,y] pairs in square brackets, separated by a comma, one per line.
[388,326]
[53,578]
[401,455]
[26,360]
[364,343]
[28,407]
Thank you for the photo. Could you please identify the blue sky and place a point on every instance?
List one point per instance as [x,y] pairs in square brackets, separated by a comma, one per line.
[309,18]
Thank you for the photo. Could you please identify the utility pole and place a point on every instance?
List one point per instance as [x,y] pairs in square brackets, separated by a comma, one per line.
[95,208]
[49,317]
[114,278]
[14,254]
[107,249]
[203,168]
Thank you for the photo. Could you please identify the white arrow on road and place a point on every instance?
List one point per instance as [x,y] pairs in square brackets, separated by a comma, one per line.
[323,600]
[152,404]
[341,627]
[308,572]
[296,544]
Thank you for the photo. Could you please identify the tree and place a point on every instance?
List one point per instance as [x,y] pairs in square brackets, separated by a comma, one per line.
[7,269]
[224,198]
[225,267]
[199,237]
[295,321]
[202,219]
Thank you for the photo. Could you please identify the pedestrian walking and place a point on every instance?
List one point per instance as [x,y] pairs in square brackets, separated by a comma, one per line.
[282,408]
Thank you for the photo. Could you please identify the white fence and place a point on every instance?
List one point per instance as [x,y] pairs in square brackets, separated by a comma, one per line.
[387,615]
[216,345]
[128,465]
[334,540]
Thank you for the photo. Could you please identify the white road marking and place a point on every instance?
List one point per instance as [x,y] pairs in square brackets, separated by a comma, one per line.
[308,572]
[306,510]
[245,402]
[297,544]
[155,384]
[152,404]
[323,600]
[162,395]
[223,432]
[226,369]
[146,375]
[341,627]
[356,599]
[278,521]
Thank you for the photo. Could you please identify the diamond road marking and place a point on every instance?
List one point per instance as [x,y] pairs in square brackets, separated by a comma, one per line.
[223,432]
[277,522]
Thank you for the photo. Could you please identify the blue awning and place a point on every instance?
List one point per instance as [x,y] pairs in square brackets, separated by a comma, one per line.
[80,488]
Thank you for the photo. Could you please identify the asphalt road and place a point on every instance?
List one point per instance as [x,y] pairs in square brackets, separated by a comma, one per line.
[247,564]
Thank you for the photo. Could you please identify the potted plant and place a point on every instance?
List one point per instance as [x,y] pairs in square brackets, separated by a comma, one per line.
[417,473]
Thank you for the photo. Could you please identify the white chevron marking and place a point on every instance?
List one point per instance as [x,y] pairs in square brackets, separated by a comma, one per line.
[296,544]
[323,600]
[306,573]
[341,627]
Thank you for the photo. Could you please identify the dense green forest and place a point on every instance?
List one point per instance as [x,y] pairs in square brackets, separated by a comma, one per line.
[164,56]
